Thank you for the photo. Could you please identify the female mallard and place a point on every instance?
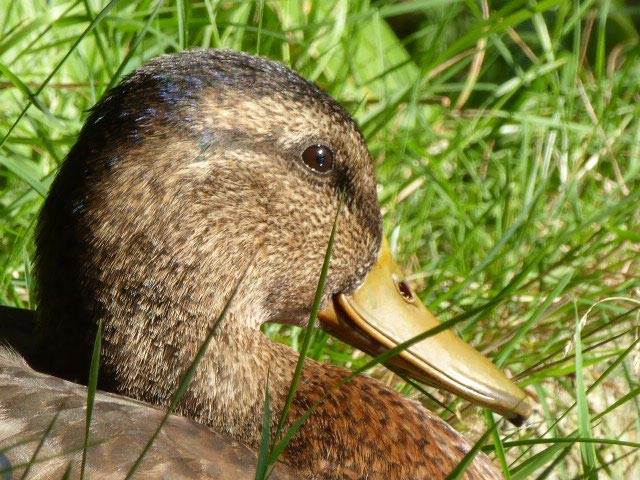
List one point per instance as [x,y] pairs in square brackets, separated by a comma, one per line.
[203,165]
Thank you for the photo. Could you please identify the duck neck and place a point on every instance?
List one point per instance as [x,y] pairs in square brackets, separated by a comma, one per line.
[227,391]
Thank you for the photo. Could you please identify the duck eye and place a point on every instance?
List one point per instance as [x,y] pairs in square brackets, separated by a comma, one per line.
[318,158]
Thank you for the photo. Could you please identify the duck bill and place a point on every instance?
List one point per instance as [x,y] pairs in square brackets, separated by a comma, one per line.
[384,312]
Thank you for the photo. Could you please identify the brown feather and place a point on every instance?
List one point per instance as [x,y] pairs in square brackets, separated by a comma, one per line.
[181,176]
[120,429]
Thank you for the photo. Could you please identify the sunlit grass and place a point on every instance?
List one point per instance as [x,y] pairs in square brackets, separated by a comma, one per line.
[507,146]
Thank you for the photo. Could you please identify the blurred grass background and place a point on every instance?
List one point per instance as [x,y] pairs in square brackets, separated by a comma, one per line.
[506,137]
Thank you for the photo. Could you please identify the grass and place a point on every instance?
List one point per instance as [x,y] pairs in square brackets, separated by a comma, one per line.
[506,139]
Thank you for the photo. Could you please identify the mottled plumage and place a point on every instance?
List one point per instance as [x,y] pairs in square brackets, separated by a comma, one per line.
[183,177]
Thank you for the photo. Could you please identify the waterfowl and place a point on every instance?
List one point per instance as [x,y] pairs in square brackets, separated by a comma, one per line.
[201,166]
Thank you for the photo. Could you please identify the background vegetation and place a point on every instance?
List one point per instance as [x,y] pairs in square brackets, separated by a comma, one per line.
[506,136]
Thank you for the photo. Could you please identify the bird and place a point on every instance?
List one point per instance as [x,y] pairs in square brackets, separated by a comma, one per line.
[211,180]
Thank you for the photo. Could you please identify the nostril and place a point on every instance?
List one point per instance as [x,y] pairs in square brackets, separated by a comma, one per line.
[405,290]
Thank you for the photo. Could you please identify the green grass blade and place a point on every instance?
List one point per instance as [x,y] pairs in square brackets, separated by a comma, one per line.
[311,325]
[92,386]
[279,446]
[465,463]
[584,415]
[45,434]
[263,452]
[497,442]
[533,463]
[67,473]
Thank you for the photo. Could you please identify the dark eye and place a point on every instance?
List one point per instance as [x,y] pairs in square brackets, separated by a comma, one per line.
[318,158]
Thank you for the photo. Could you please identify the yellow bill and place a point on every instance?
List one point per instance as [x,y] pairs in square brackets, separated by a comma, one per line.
[384,312]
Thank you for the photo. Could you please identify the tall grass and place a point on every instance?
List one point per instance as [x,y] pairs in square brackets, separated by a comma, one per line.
[506,138]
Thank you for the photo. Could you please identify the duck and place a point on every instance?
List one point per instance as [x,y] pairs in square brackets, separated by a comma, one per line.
[210,180]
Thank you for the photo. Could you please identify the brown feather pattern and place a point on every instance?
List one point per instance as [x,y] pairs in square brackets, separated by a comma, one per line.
[181,176]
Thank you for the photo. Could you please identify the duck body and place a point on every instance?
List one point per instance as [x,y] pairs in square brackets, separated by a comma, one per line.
[344,435]
[183,450]
[201,173]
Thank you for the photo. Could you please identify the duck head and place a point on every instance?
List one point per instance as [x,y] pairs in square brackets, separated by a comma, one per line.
[198,167]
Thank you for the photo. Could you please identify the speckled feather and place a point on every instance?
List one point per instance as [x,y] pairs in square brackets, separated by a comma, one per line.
[184,176]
